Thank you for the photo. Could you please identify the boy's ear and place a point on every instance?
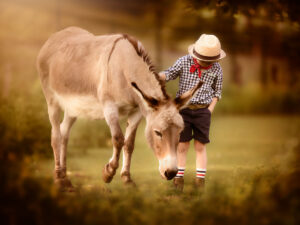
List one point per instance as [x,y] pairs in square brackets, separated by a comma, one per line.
[184,99]
[149,102]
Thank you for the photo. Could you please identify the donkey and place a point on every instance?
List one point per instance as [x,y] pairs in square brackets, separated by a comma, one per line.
[107,77]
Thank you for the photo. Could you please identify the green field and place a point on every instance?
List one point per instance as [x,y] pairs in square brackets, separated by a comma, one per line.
[247,158]
[240,145]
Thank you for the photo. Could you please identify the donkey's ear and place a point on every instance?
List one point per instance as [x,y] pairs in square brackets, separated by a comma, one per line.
[148,101]
[184,99]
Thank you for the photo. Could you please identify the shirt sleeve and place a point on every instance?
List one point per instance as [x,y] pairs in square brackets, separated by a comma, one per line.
[218,82]
[173,72]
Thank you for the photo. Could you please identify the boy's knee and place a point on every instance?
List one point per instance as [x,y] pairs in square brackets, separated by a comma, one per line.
[183,147]
[199,146]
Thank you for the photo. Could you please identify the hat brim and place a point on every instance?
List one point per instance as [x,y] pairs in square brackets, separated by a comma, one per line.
[190,50]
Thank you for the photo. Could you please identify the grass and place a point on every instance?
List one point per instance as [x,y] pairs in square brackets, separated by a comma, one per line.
[240,145]
[247,157]
[252,173]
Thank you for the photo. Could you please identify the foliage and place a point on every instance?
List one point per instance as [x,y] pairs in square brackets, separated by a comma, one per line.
[24,129]
[263,101]
[274,9]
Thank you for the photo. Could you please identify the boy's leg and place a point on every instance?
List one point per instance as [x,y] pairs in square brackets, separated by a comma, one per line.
[201,136]
[201,162]
[201,158]
[183,146]
[182,150]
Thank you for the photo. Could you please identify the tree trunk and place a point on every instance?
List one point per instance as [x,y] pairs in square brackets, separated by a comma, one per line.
[236,74]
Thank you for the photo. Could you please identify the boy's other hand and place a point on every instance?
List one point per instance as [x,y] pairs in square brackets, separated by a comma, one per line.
[212,105]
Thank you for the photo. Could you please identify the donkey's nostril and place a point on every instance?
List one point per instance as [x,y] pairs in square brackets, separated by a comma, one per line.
[170,174]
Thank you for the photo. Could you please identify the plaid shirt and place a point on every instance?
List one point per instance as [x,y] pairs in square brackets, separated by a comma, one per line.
[211,77]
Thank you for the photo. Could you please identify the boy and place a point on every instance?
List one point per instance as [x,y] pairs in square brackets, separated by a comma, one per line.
[201,64]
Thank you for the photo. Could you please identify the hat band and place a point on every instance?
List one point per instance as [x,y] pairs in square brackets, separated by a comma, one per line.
[205,57]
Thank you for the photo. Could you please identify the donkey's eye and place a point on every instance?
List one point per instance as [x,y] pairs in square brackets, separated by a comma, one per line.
[158,133]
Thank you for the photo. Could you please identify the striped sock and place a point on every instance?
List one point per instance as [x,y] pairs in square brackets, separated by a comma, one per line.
[200,173]
[180,172]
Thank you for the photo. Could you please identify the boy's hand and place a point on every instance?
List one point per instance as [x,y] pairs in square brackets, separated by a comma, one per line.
[212,105]
[162,76]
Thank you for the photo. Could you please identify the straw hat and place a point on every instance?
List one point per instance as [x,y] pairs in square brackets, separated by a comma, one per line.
[207,48]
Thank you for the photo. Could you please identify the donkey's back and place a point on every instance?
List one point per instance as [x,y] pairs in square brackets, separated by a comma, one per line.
[70,71]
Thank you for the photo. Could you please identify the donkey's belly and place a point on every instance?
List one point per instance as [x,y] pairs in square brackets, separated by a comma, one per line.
[81,106]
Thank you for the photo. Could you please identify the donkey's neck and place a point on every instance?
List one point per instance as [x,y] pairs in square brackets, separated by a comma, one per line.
[145,80]
[137,68]
[133,62]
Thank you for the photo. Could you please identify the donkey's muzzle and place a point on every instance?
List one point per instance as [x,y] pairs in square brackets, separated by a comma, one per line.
[170,174]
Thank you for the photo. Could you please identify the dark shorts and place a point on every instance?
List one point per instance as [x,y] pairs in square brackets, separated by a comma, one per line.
[196,125]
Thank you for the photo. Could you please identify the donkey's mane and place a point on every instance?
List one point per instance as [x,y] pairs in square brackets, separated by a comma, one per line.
[146,58]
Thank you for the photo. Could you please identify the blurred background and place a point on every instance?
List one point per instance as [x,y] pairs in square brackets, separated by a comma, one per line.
[255,130]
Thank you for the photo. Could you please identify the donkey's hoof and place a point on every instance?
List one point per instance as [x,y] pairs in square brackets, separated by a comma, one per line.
[60,174]
[63,173]
[127,180]
[107,175]
[130,183]
[64,185]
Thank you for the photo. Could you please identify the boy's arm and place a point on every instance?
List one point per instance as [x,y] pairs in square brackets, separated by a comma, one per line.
[218,89]
[173,72]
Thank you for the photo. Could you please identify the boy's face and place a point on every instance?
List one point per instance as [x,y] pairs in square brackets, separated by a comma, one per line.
[205,63]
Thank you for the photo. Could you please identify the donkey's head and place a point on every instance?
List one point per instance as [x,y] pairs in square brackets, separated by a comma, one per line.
[164,124]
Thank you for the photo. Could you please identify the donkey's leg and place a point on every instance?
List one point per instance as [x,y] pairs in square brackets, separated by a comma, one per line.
[65,127]
[112,118]
[54,117]
[132,124]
